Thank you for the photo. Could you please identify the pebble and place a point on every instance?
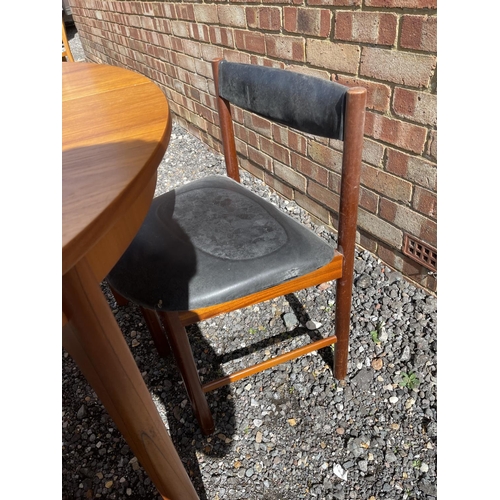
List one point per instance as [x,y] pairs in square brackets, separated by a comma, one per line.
[313,325]
[290,321]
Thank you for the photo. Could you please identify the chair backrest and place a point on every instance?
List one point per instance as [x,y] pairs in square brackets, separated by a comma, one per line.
[305,103]
[308,104]
[314,106]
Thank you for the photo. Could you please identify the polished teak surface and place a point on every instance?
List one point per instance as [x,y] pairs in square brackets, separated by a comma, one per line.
[116,128]
[114,136]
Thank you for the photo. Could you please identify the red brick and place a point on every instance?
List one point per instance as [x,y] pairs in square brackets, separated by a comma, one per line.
[185,62]
[238,114]
[401,134]
[431,148]
[413,168]
[203,68]
[221,36]
[313,208]
[401,262]
[417,106]
[326,156]
[386,184]
[198,81]
[290,139]
[241,147]
[274,150]
[191,48]
[378,94]
[309,169]
[255,170]
[260,158]
[264,18]
[206,14]
[381,229]
[162,26]
[285,47]
[409,221]
[161,9]
[258,124]
[366,27]
[147,23]
[147,8]
[279,186]
[199,32]
[419,33]
[210,52]
[373,152]
[347,3]
[232,15]
[237,56]
[185,11]
[134,21]
[316,22]
[335,56]
[323,195]
[425,202]
[368,242]
[404,4]
[250,41]
[405,68]
[246,135]
[180,28]
[290,176]
[368,200]
[264,61]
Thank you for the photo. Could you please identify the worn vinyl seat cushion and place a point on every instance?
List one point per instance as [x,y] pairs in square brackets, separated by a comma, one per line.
[212,241]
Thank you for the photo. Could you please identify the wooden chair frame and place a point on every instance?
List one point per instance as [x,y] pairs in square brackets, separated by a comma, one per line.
[66,52]
[341,269]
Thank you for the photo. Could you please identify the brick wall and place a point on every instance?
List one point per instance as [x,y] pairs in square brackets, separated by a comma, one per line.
[387,46]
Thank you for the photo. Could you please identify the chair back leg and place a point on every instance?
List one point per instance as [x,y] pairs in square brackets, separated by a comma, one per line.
[348,214]
[156,330]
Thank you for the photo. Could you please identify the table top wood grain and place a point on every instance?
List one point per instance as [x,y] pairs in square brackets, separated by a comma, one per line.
[116,127]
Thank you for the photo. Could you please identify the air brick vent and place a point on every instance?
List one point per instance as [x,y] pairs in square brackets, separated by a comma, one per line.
[420,252]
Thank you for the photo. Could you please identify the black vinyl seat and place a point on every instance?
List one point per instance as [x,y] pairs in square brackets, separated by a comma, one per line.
[212,241]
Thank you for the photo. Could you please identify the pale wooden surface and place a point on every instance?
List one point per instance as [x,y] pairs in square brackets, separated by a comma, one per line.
[116,128]
[115,134]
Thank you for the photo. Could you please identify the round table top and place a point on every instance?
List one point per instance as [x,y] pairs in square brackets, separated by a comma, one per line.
[116,128]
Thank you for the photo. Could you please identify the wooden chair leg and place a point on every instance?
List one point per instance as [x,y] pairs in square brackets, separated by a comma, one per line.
[342,326]
[156,331]
[349,199]
[120,299]
[183,354]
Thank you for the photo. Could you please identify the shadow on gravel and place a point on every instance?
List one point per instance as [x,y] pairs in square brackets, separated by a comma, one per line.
[192,446]
[185,433]
[302,315]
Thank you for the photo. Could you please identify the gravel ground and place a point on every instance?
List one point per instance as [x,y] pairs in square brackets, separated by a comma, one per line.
[292,432]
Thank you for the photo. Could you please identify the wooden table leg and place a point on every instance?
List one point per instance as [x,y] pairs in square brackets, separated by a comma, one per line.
[95,342]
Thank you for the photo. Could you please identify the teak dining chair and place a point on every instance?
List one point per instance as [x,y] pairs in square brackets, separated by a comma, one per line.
[212,246]
[66,50]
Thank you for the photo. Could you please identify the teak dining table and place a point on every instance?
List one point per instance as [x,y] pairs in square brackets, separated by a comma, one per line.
[116,126]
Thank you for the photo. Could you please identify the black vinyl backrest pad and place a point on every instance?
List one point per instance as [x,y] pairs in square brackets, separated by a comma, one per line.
[303,102]
[210,241]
